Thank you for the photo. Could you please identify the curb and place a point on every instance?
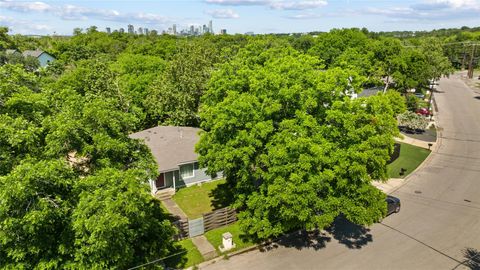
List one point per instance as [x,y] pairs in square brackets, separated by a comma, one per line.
[228,255]
[437,145]
[241,251]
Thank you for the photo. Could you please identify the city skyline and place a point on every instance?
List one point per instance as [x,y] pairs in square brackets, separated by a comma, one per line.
[191,30]
[237,16]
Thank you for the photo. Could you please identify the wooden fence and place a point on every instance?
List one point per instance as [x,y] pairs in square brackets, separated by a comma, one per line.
[219,218]
[182,226]
[215,219]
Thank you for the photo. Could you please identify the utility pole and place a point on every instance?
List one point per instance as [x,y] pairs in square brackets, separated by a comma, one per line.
[470,65]
[464,57]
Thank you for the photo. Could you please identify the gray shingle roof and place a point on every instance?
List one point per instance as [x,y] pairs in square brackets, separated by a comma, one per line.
[35,53]
[170,145]
[370,92]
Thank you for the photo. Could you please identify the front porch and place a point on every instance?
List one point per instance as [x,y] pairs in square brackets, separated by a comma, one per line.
[165,194]
[184,175]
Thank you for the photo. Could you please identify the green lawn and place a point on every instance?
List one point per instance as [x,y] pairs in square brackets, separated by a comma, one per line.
[410,158]
[196,200]
[193,255]
[215,237]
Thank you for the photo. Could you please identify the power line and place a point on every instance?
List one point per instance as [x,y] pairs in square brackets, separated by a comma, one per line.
[421,242]
[157,260]
[466,261]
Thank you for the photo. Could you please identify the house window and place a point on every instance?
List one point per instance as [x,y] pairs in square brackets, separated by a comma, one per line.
[186,171]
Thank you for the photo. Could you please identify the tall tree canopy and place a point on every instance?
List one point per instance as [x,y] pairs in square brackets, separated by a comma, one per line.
[73,190]
[294,147]
[278,121]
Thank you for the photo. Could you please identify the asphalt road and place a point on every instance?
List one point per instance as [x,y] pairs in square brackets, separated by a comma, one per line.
[439,224]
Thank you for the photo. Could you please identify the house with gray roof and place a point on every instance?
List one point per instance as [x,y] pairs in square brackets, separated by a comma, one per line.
[43,57]
[11,51]
[368,92]
[174,151]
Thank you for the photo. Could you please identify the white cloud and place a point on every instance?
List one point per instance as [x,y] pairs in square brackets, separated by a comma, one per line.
[72,12]
[303,16]
[26,6]
[223,14]
[298,5]
[273,4]
[24,27]
[430,10]
[238,2]
[458,3]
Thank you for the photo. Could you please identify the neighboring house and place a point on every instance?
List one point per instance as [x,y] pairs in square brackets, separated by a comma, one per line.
[11,51]
[370,91]
[43,57]
[174,150]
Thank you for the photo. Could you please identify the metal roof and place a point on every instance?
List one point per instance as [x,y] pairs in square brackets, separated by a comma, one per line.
[170,145]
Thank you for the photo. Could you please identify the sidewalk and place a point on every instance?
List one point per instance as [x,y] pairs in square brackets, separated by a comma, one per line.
[390,185]
[394,183]
[415,142]
[206,249]
[174,209]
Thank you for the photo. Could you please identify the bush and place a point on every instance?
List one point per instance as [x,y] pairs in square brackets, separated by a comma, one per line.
[412,121]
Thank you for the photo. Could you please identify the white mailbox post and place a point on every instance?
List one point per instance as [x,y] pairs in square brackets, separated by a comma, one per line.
[227,242]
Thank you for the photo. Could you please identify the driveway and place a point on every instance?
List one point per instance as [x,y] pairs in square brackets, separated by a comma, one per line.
[438,226]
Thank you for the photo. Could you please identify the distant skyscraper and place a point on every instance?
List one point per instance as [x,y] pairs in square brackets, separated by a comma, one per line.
[192,30]
[140,31]
[223,31]
[146,31]
[131,30]
[210,27]
[109,30]
[174,29]
[121,30]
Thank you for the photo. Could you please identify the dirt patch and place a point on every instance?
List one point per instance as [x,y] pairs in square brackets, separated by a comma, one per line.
[473,83]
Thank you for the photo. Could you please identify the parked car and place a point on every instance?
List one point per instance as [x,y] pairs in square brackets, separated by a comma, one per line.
[420,95]
[393,204]
[423,111]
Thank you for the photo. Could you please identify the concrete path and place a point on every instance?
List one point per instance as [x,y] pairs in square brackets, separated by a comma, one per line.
[415,142]
[174,209]
[206,249]
[389,186]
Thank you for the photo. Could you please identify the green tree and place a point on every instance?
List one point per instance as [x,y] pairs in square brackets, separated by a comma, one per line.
[5,40]
[296,150]
[174,97]
[437,63]
[329,46]
[22,110]
[397,101]
[29,63]
[35,207]
[117,224]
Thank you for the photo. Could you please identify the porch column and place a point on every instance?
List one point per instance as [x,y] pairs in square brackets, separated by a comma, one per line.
[153,186]
[174,178]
